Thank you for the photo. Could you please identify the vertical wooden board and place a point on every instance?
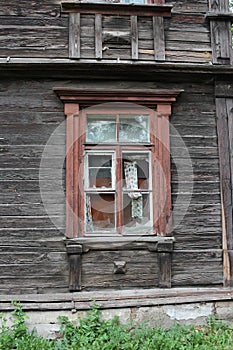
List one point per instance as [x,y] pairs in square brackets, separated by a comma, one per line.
[69,176]
[159,40]
[75,261]
[76,168]
[221,41]
[74,35]
[98,36]
[134,37]
[164,261]
[229,105]
[87,36]
[224,158]
[229,258]
[219,5]
[225,183]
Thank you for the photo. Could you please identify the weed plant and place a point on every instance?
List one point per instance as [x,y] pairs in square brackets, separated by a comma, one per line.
[93,333]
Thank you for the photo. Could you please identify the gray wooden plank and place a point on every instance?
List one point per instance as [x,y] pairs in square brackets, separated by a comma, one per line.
[221,41]
[98,36]
[134,37]
[159,40]
[219,5]
[225,178]
[74,35]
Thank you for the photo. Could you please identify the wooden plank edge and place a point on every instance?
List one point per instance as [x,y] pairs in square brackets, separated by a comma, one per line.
[117,8]
[122,298]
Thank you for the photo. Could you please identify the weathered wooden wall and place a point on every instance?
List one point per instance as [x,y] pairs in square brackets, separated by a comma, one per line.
[33,257]
[39,30]
[32,252]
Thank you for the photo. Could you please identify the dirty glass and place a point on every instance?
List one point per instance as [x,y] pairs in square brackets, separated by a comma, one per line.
[100,212]
[137,213]
[101,128]
[100,172]
[134,128]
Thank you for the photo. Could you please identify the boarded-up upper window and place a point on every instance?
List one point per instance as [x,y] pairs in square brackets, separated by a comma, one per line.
[116,31]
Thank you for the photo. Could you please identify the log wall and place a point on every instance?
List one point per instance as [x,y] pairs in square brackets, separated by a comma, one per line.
[40,30]
[33,256]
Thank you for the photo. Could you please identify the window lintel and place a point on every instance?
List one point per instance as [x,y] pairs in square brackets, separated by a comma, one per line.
[89,97]
[111,8]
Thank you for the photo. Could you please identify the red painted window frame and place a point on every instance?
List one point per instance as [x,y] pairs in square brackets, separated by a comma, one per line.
[160,103]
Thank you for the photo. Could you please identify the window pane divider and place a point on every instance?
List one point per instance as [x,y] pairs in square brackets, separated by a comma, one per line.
[95,190]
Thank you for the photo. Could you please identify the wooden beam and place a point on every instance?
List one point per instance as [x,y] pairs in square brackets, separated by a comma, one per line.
[98,36]
[219,5]
[164,261]
[220,28]
[94,96]
[134,37]
[225,183]
[117,9]
[74,35]
[74,252]
[221,40]
[70,110]
[159,40]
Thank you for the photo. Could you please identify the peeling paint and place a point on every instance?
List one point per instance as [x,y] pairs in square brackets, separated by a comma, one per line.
[187,312]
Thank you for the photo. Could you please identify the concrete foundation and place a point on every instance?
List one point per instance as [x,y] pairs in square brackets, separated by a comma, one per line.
[163,311]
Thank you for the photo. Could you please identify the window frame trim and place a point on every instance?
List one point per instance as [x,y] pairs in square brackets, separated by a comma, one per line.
[160,101]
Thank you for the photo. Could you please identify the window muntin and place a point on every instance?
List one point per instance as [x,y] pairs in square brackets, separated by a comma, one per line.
[133,1]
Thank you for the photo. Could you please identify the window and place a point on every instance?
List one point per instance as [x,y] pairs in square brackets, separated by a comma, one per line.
[118,162]
[118,179]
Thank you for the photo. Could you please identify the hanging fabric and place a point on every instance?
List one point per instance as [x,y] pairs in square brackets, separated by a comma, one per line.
[89,222]
[131,180]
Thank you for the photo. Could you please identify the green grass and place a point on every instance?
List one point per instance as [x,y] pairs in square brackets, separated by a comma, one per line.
[95,334]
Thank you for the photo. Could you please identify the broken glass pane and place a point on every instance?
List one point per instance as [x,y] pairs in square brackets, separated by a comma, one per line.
[137,214]
[141,164]
[101,128]
[99,171]
[134,128]
[100,212]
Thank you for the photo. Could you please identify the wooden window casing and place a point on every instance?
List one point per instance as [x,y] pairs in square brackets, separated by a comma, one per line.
[159,104]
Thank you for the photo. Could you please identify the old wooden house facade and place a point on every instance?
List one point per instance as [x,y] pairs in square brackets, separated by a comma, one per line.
[115,148]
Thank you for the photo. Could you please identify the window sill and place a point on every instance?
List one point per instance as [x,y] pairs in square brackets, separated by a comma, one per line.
[151,243]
